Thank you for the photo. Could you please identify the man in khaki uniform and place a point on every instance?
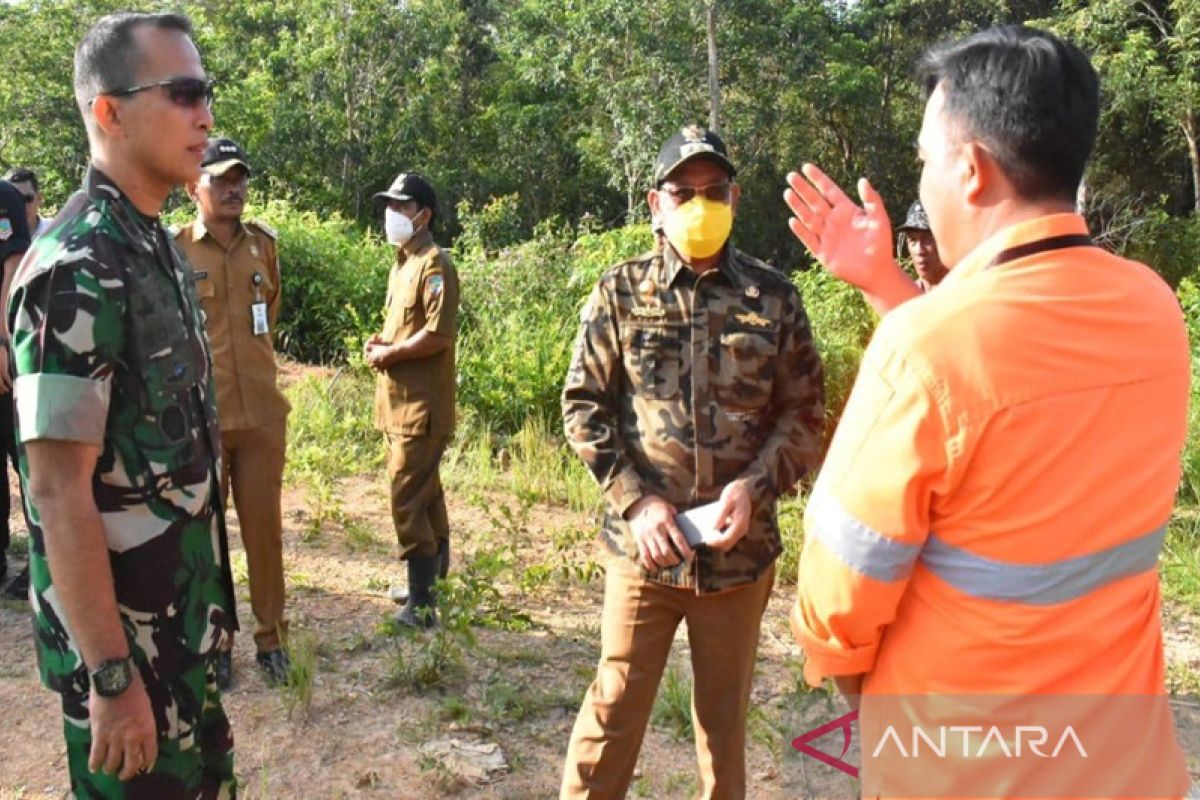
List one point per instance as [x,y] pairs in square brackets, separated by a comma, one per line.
[414,396]
[694,381]
[236,271]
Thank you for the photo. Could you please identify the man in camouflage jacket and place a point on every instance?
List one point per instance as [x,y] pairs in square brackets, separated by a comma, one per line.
[129,570]
[694,379]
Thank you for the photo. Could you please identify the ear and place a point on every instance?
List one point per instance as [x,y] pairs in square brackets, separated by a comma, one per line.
[106,113]
[653,200]
[735,195]
[979,172]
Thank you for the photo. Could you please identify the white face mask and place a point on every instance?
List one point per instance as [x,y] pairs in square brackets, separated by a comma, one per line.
[399,227]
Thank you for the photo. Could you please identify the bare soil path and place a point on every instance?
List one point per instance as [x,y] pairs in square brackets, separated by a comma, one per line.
[366,734]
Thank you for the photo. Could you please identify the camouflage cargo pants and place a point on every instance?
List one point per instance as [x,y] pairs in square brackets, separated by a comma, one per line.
[195,757]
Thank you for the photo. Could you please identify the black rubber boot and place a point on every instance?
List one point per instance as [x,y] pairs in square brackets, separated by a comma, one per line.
[400,596]
[420,610]
[443,558]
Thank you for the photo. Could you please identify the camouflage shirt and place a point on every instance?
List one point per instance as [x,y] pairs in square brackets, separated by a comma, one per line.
[681,384]
[109,351]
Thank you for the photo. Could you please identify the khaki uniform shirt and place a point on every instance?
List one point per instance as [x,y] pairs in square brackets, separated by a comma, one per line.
[681,383]
[416,397]
[228,283]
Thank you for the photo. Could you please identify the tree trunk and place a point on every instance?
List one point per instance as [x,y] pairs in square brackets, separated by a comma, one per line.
[714,81]
[1190,131]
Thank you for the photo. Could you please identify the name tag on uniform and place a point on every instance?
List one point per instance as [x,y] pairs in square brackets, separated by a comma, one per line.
[258,312]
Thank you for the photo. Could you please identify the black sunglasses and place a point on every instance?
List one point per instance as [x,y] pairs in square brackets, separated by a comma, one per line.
[714,192]
[186,92]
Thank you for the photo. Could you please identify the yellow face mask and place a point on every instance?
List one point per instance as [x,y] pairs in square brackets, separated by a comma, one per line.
[699,228]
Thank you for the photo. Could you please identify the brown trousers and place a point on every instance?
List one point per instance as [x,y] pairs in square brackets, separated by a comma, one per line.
[252,466]
[418,502]
[636,631]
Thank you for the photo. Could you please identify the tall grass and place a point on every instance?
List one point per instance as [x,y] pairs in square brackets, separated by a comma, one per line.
[1180,564]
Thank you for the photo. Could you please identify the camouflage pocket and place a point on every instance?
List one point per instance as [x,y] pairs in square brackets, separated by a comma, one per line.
[746,369]
[653,360]
[167,373]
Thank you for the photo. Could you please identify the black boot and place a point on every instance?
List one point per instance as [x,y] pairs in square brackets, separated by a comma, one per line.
[400,596]
[443,558]
[419,611]
[18,587]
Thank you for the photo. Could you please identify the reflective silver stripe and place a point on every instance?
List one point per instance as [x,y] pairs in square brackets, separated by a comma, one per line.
[859,546]
[1040,584]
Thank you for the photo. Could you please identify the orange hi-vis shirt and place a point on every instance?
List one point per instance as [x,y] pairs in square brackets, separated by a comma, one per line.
[989,516]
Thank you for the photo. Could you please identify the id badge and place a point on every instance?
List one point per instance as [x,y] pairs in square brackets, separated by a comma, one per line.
[258,311]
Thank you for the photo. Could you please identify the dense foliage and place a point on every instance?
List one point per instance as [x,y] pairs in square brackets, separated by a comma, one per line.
[538,121]
[563,104]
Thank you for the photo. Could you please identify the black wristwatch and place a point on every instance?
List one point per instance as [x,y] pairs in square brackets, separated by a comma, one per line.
[113,677]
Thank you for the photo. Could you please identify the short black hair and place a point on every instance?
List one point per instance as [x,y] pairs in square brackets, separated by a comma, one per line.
[23,175]
[1032,99]
[107,58]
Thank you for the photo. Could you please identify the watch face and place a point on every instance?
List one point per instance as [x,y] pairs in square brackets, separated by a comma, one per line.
[112,677]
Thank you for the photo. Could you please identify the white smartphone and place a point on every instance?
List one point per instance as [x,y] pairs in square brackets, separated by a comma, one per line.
[699,524]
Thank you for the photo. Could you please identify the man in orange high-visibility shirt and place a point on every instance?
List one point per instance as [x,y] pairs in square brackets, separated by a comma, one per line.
[988,519]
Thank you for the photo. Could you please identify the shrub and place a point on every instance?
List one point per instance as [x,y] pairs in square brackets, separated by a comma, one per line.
[1189,299]
[842,324]
[1171,245]
[520,312]
[334,282]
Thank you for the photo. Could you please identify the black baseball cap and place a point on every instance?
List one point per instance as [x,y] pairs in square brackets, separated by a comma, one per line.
[916,219]
[411,186]
[222,154]
[691,142]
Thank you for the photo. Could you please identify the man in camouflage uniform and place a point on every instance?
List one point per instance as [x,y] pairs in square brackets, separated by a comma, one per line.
[694,379]
[129,570]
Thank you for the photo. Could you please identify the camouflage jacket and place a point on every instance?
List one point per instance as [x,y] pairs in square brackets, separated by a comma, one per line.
[110,350]
[680,384]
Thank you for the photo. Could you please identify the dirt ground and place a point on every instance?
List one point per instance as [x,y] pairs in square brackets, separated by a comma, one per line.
[362,736]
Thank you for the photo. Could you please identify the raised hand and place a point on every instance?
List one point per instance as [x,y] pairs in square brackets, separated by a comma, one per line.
[852,242]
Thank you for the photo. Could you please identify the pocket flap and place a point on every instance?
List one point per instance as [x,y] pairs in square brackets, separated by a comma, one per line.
[410,418]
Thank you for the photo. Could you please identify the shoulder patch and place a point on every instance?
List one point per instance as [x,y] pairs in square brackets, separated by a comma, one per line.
[763,272]
[434,284]
[264,227]
[6,229]
[632,263]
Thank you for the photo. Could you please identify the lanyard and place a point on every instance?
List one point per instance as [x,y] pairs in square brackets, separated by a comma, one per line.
[1041,246]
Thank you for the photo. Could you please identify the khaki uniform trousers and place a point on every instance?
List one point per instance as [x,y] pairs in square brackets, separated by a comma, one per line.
[638,626]
[418,502]
[252,462]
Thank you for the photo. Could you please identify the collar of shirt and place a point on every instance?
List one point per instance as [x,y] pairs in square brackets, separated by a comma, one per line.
[100,187]
[1032,230]
[419,241]
[673,266]
[200,230]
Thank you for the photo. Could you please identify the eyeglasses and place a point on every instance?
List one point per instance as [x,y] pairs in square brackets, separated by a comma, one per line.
[714,192]
[185,92]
